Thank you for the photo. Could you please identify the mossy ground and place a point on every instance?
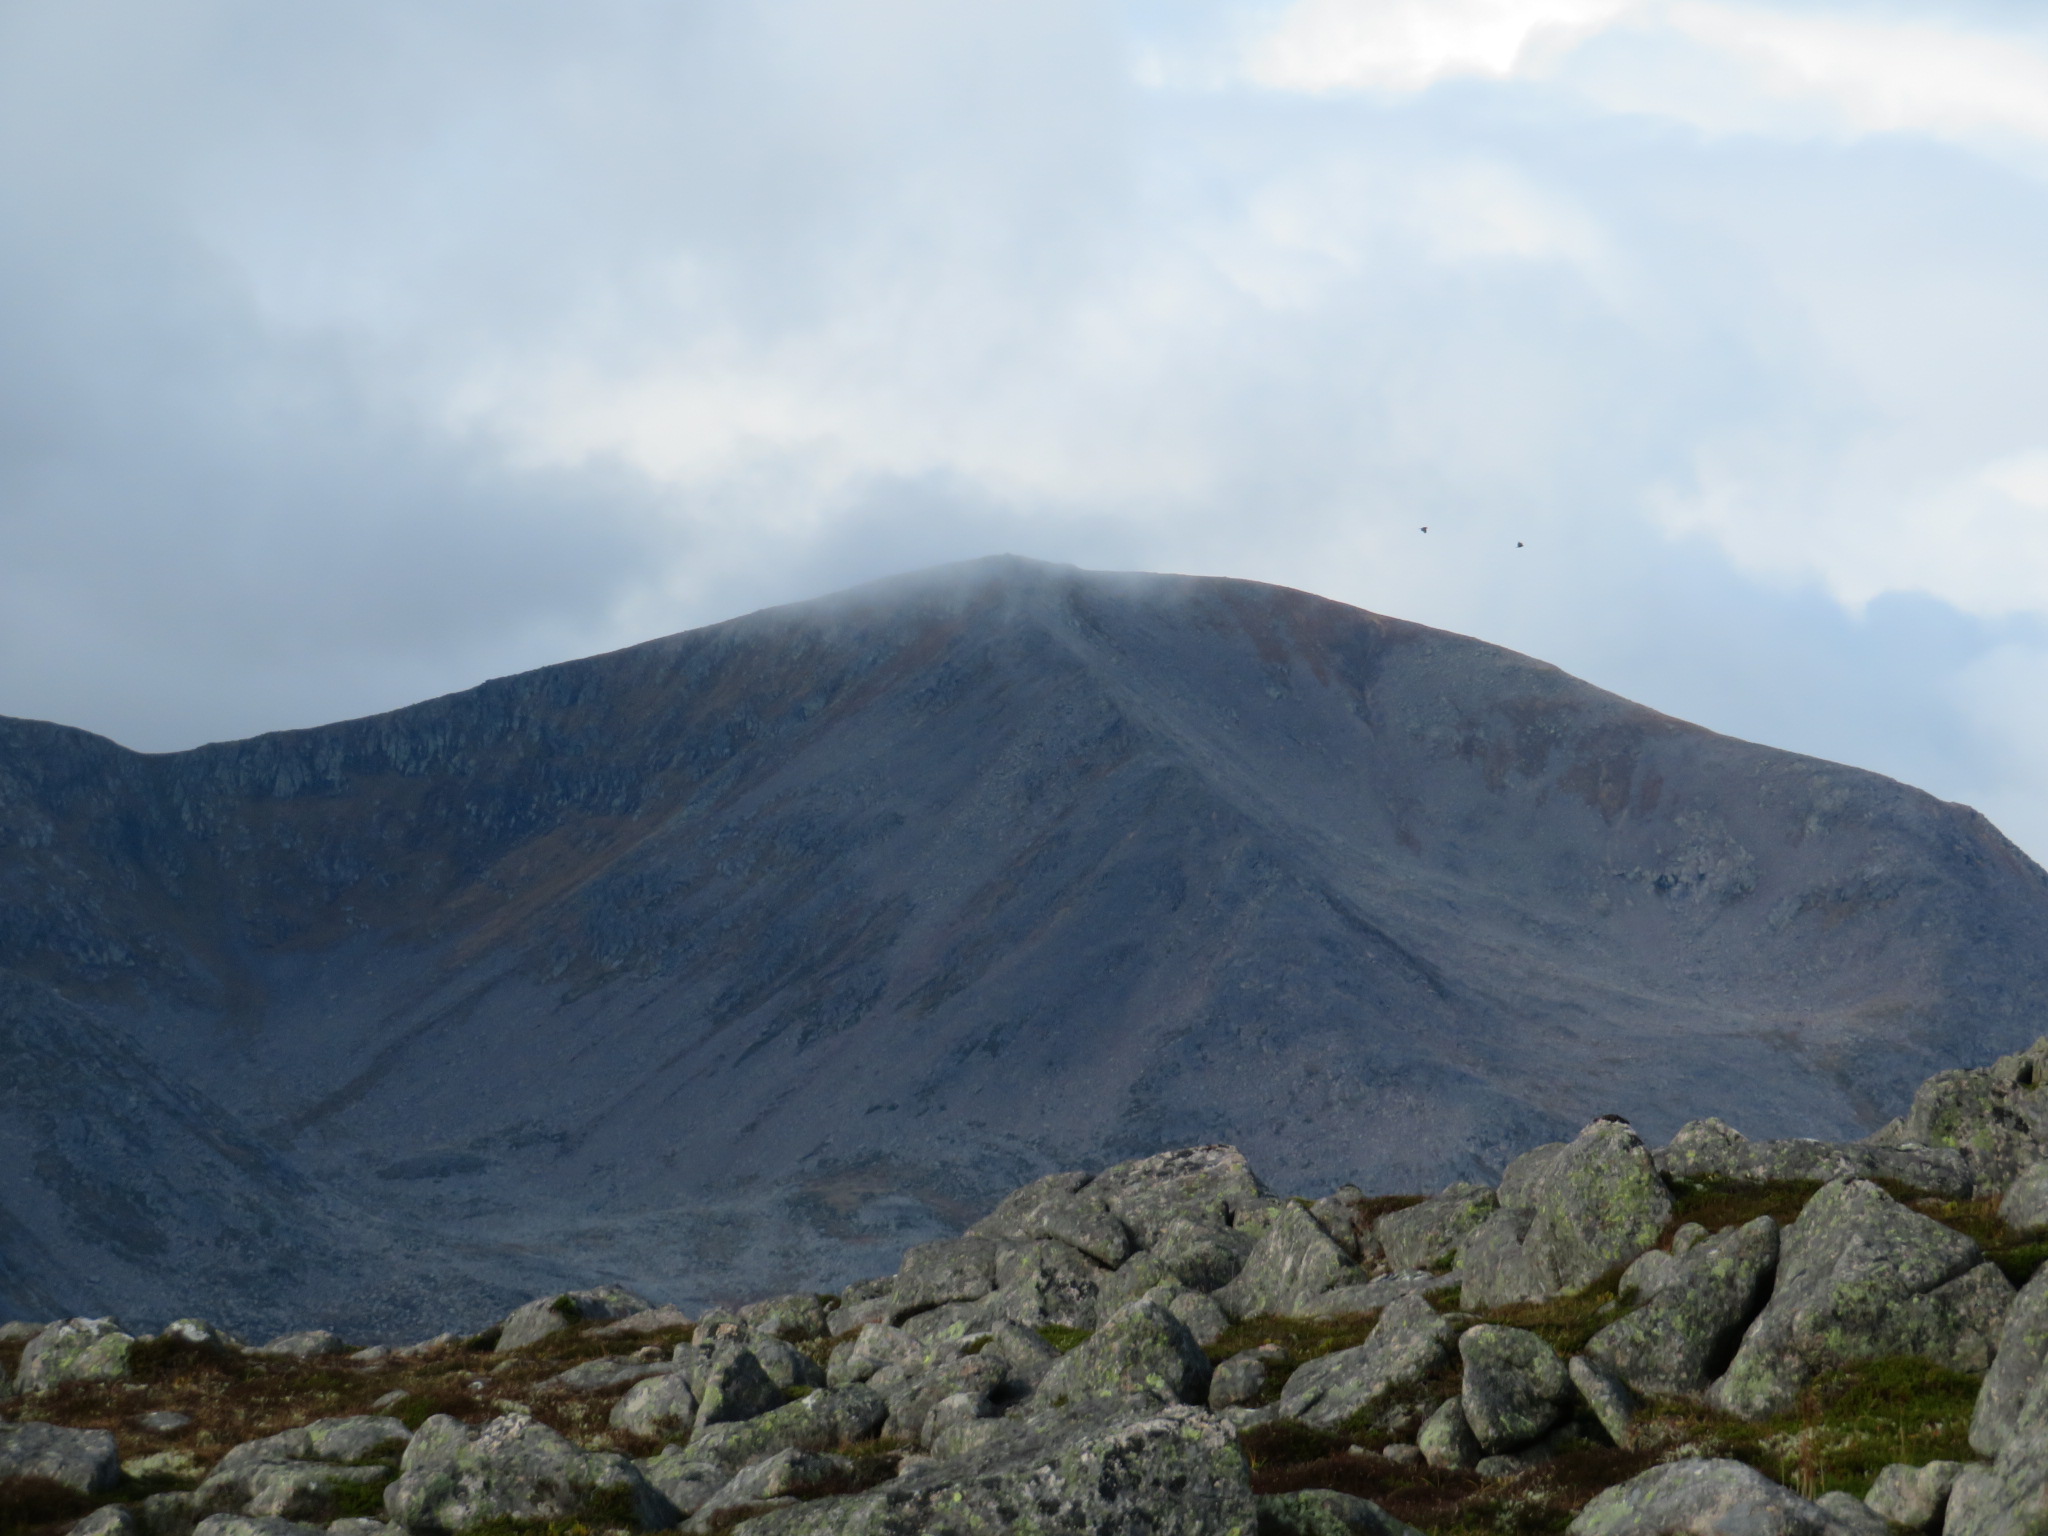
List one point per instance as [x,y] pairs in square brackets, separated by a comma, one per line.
[232,1398]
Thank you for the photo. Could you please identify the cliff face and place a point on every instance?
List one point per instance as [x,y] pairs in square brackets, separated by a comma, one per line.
[768,947]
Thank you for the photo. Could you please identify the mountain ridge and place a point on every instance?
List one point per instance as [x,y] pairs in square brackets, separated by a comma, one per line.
[834,919]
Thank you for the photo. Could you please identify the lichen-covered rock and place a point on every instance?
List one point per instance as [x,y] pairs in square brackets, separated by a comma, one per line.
[1687,1332]
[83,1460]
[1860,1276]
[1046,1282]
[823,1421]
[1346,1214]
[1242,1378]
[544,1315]
[1325,1512]
[1913,1498]
[302,1490]
[1174,1471]
[1515,1386]
[305,1344]
[875,1346]
[784,1364]
[659,1408]
[1848,1515]
[1427,1236]
[734,1386]
[1592,1204]
[1700,1498]
[2022,1349]
[1199,1186]
[1060,1207]
[253,1525]
[912,1394]
[1377,1294]
[954,1269]
[1712,1149]
[77,1349]
[1207,1321]
[453,1478]
[1605,1394]
[1646,1276]
[1446,1440]
[1141,1349]
[1293,1263]
[776,1482]
[608,1371]
[245,1476]
[109,1520]
[798,1315]
[1521,1178]
[1406,1345]
[1995,1116]
[2025,1206]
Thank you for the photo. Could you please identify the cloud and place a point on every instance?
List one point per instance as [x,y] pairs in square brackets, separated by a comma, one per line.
[357,353]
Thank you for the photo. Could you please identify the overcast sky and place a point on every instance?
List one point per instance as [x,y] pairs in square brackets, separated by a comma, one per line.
[352,353]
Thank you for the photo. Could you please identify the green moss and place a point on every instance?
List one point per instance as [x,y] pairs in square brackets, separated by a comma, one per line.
[1064,1339]
[359,1501]
[1718,1203]
[1303,1338]
[1567,1322]
[1855,1420]
[565,1306]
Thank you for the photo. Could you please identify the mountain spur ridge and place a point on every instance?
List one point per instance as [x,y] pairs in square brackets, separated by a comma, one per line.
[753,955]
[1723,1337]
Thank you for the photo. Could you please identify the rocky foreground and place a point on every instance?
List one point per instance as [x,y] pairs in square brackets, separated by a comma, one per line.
[1763,1338]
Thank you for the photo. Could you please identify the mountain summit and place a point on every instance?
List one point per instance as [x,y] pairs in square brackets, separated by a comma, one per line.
[772,946]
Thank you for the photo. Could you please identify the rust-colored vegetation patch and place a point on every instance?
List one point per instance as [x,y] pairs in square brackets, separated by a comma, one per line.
[1718,1203]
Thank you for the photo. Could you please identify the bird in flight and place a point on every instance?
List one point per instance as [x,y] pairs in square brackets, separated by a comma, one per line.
[1425,527]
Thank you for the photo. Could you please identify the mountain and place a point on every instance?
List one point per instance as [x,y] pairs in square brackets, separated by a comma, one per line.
[764,949]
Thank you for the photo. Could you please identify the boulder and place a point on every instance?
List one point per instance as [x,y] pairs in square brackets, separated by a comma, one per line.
[784,1364]
[2025,1206]
[1060,1207]
[823,1421]
[1199,1186]
[293,1473]
[1094,1468]
[661,1319]
[306,1344]
[1293,1263]
[734,1386]
[912,1394]
[1648,1275]
[252,1525]
[1606,1395]
[2022,1347]
[1346,1215]
[1377,1294]
[1860,1276]
[1046,1282]
[78,1349]
[1408,1343]
[1207,1321]
[1201,1258]
[1687,1332]
[1242,1379]
[1427,1236]
[661,1407]
[1520,1179]
[607,1372]
[778,1481]
[550,1314]
[955,1269]
[1325,1512]
[109,1520]
[1913,1498]
[1141,1349]
[1700,1498]
[83,1460]
[1584,1208]
[798,1315]
[1994,1116]
[1446,1440]
[875,1346]
[1848,1515]
[1025,1353]
[1515,1386]
[1712,1149]
[514,1468]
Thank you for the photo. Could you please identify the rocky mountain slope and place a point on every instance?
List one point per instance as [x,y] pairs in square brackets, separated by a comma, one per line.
[766,949]
[1724,1337]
